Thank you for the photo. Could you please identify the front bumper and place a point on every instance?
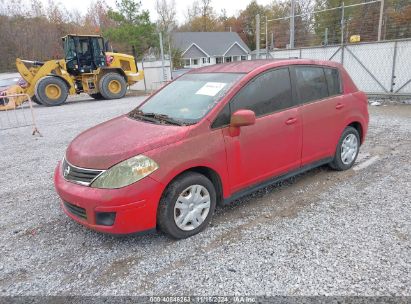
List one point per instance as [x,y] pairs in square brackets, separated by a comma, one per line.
[135,206]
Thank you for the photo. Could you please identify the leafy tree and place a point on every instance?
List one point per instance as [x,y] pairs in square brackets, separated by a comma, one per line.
[132,26]
[177,58]
[247,21]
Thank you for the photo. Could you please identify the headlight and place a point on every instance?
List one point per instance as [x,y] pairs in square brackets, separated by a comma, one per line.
[126,172]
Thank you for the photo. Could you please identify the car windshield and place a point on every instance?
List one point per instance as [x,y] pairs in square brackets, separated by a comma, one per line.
[188,98]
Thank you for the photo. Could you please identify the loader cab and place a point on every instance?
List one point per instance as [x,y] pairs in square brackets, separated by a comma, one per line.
[83,54]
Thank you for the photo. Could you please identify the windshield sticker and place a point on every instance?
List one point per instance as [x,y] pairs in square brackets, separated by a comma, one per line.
[211,88]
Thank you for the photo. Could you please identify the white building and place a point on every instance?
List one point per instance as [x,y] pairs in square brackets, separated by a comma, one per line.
[207,48]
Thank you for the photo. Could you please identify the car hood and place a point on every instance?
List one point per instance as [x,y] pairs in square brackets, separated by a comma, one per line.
[119,139]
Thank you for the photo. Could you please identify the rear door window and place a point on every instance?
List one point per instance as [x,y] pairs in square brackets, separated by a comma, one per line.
[267,93]
[311,83]
[333,81]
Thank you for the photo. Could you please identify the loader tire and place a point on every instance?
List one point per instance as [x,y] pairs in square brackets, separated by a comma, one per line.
[34,99]
[51,91]
[97,96]
[112,86]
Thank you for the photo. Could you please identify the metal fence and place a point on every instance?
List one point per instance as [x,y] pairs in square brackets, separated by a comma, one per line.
[155,75]
[16,114]
[377,68]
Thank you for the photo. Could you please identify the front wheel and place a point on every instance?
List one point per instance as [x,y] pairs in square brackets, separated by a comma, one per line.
[347,150]
[187,205]
[51,91]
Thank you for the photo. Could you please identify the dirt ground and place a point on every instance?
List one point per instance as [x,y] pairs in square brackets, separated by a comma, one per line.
[320,233]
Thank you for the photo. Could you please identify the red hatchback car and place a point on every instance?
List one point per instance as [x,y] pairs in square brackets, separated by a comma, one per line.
[207,138]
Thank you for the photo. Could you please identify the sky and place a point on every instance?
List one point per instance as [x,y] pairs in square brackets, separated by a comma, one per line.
[232,6]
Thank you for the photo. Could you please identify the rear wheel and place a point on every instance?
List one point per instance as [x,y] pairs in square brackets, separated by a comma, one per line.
[51,91]
[34,99]
[112,86]
[96,96]
[347,150]
[187,205]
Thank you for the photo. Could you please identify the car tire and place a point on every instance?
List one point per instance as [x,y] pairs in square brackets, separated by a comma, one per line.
[51,91]
[347,150]
[112,86]
[97,96]
[182,211]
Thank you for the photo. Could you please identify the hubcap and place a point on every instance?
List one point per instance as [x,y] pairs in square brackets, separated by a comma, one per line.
[192,207]
[349,149]
[114,86]
[53,91]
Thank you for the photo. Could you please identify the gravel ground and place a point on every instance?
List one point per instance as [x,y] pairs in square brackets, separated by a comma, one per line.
[321,233]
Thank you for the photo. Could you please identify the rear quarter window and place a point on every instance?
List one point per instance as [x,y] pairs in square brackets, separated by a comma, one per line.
[333,81]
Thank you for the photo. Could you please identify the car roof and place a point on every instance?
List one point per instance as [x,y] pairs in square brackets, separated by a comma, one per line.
[248,66]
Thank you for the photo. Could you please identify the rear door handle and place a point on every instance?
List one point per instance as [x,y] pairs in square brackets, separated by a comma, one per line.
[291,121]
[339,106]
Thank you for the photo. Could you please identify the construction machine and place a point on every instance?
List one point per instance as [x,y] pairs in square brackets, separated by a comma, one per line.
[87,67]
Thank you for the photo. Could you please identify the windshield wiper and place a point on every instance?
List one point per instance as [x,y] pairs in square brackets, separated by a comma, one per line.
[164,117]
[156,117]
[138,114]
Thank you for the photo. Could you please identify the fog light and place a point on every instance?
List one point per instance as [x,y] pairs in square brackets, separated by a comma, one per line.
[105,218]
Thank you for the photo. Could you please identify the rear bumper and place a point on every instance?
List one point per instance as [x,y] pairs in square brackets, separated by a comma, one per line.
[135,206]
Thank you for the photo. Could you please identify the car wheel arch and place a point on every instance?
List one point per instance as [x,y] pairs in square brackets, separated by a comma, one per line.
[358,126]
[208,172]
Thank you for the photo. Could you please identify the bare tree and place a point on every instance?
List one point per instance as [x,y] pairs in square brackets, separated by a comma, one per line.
[193,11]
[206,11]
[166,15]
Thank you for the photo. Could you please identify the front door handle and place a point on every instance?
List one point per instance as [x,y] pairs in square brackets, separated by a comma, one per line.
[291,121]
[339,106]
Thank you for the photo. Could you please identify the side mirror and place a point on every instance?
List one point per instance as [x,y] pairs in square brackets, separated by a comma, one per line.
[242,118]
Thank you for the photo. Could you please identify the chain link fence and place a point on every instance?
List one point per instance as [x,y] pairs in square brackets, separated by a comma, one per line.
[377,68]
[16,111]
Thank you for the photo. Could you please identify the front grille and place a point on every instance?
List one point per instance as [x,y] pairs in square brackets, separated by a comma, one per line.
[76,210]
[78,175]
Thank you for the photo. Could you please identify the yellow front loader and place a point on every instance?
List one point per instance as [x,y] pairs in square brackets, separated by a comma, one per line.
[87,67]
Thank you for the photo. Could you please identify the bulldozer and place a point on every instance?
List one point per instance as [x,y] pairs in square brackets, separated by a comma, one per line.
[87,67]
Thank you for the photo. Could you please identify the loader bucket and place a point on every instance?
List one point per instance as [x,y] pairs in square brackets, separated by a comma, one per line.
[10,103]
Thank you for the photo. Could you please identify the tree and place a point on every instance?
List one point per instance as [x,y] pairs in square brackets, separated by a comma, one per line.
[167,15]
[132,26]
[397,19]
[200,17]
[96,19]
[247,21]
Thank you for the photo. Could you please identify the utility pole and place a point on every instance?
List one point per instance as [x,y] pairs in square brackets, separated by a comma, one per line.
[272,41]
[162,57]
[292,24]
[170,57]
[380,21]
[342,24]
[257,35]
[326,36]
